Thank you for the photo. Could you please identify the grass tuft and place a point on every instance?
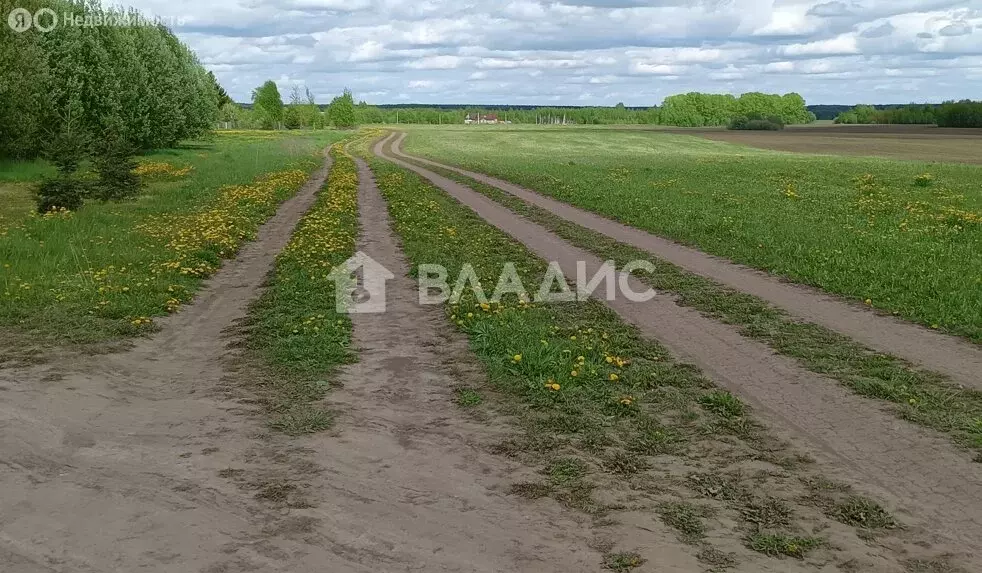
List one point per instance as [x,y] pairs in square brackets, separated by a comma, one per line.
[468,398]
[776,545]
[723,404]
[622,562]
[862,512]
[684,518]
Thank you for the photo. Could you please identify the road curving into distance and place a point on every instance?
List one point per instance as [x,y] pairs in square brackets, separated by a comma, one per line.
[914,469]
[954,357]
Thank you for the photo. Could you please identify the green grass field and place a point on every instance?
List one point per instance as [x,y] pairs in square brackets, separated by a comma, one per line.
[904,236]
[915,395]
[106,270]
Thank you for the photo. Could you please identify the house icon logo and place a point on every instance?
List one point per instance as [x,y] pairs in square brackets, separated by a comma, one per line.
[359,285]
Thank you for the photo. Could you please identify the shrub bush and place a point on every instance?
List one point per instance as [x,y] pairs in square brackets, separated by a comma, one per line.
[63,191]
[115,166]
[117,181]
[756,122]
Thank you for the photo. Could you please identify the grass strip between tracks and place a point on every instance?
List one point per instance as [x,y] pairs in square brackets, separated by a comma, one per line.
[916,395]
[294,328]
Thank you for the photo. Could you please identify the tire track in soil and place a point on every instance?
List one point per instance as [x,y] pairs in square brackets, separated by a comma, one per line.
[409,484]
[112,463]
[915,472]
[959,359]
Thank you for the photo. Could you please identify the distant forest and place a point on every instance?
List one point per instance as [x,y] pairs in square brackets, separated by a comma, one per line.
[684,110]
[965,113]
[687,110]
[821,111]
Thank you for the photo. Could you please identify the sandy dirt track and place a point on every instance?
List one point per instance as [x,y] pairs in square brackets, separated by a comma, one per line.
[112,463]
[957,358]
[409,483]
[916,472]
[153,459]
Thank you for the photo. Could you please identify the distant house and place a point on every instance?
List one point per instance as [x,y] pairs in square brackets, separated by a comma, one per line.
[481,118]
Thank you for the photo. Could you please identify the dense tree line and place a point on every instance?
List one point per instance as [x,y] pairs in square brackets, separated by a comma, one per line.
[268,111]
[132,82]
[963,113]
[699,110]
[687,110]
[437,115]
[866,114]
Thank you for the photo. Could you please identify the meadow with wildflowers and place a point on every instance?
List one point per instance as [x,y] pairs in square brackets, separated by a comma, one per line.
[901,236]
[610,418]
[294,329]
[106,271]
[917,395]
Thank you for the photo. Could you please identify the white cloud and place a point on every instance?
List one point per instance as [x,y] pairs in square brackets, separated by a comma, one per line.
[602,79]
[779,67]
[639,67]
[790,20]
[840,45]
[586,51]
[830,10]
[366,52]
[956,29]
[435,63]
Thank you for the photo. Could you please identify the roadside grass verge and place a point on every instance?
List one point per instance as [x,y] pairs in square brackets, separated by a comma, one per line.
[294,332]
[919,396]
[103,273]
[614,423]
[903,235]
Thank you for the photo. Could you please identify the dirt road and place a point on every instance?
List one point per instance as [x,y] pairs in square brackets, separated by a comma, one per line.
[153,459]
[959,359]
[114,463]
[915,471]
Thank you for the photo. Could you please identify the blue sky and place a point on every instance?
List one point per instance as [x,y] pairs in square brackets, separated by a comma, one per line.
[588,52]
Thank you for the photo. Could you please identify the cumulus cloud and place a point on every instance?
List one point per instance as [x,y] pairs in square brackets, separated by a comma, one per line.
[956,29]
[829,10]
[595,52]
[838,46]
[435,63]
[884,29]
